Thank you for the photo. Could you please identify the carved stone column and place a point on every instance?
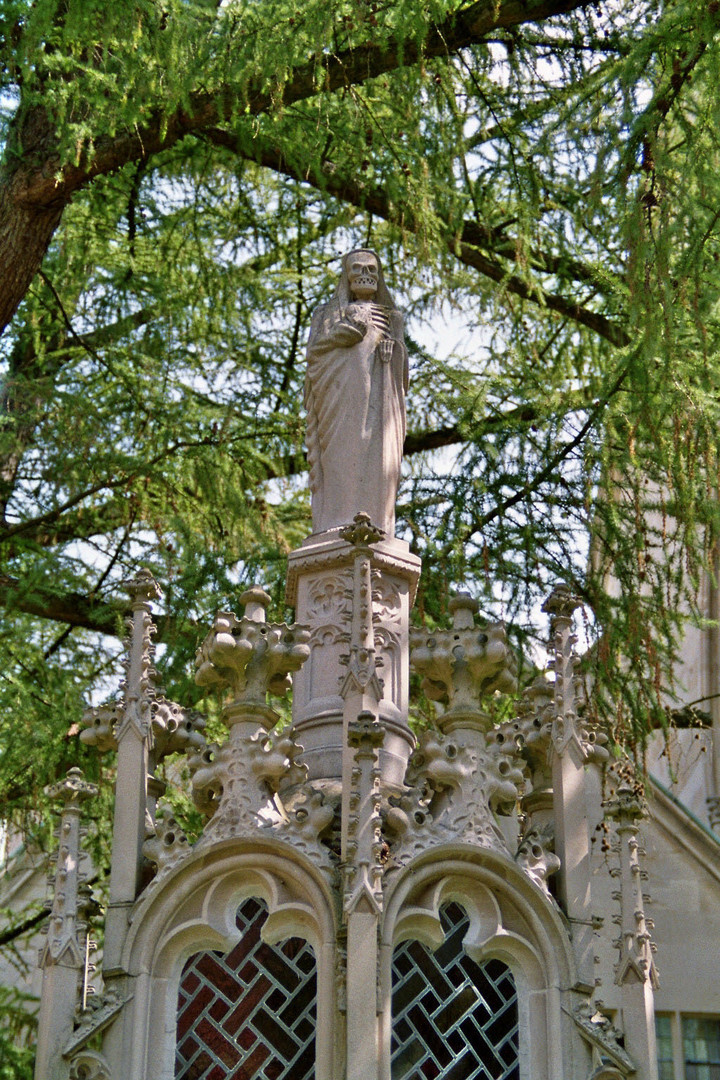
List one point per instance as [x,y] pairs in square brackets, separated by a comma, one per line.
[320,586]
[133,734]
[63,956]
[635,972]
[362,867]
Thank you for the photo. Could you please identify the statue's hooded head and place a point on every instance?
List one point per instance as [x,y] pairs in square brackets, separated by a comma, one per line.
[362,279]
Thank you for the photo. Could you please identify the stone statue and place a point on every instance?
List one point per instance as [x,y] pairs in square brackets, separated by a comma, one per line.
[355,387]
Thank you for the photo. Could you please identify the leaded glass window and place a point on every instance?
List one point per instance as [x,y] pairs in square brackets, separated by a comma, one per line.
[699,1056]
[248,1014]
[453,1019]
[663,1035]
[701,1047]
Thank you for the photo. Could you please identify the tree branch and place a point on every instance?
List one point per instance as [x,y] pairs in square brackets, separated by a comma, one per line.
[473,236]
[75,609]
[36,187]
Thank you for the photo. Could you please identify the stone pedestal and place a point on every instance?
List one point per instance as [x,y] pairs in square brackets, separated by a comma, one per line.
[320,583]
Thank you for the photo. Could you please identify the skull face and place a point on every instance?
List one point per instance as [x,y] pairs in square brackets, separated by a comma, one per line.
[363,271]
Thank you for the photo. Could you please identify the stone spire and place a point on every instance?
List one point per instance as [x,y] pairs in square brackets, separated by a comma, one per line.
[635,972]
[63,957]
[574,747]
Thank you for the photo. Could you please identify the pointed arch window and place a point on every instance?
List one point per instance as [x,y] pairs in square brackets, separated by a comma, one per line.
[248,1013]
[453,1019]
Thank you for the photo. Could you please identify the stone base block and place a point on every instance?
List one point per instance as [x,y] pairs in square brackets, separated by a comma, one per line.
[320,588]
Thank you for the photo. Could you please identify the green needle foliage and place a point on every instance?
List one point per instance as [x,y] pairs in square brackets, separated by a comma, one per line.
[177,184]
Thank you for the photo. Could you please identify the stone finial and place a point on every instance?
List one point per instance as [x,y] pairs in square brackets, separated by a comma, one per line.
[361,676]
[65,933]
[363,846]
[142,587]
[627,808]
[73,790]
[362,532]
[463,608]
[255,601]
[561,603]
[249,655]
[463,665]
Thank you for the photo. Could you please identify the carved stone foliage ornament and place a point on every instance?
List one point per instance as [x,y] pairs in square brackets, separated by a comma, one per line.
[89,1065]
[536,855]
[456,784]
[605,1039]
[169,844]
[249,655]
[463,665]
[236,784]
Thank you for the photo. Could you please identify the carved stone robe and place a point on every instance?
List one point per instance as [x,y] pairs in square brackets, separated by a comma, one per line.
[355,403]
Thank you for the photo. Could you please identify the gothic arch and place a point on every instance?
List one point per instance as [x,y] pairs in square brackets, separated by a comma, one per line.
[509,922]
[193,909]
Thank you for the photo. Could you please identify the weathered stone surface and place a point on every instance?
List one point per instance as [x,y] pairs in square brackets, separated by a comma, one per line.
[463,665]
[355,399]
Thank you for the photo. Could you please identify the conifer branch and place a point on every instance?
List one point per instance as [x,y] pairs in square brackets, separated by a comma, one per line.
[468,247]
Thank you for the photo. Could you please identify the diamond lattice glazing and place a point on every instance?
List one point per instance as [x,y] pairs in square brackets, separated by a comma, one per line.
[453,1019]
[250,1013]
